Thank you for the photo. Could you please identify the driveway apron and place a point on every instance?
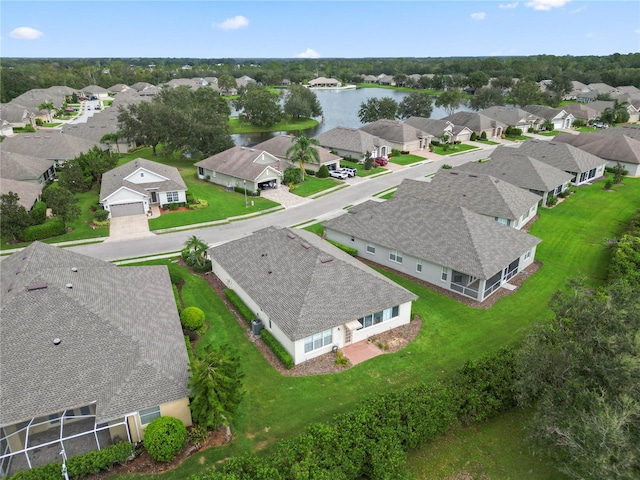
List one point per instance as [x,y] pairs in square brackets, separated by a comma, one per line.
[128,227]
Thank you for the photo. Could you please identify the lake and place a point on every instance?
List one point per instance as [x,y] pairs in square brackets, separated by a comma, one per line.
[340,109]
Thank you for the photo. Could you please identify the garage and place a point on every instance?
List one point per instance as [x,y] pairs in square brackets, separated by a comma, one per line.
[123,209]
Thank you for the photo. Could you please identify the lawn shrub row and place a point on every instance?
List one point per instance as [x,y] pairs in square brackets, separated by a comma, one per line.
[52,228]
[237,302]
[625,257]
[350,250]
[372,440]
[39,213]
[277,348]
[82,465]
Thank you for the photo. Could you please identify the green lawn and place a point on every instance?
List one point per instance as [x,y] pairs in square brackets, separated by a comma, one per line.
[283,126]
[488,142]
[406,159]
[454,149]
[360,168]
[548,134]
[278,407]
[312,185]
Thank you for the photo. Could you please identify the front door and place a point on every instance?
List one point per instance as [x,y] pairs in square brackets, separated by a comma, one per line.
[347,336]
[154,197]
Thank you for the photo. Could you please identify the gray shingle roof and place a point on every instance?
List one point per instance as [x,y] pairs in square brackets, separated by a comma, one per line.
[618,144]
[474,120]
[302,294]
[23,167]
[479,193]
[278,146]
[544,111]
[27,192]
[440,233]
[394,131]
[241,162]
[349,139]
[54,146]
[511,115]
[121,341]
[525,172]
[561,155]
[115,179]
[432,126]
[15,114]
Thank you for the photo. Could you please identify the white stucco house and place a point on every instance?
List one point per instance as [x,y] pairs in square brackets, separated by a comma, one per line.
[132,188]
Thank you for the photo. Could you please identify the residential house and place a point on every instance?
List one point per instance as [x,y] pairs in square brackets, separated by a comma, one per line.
[398,135]
[118,88]
[28,193]
[515,117]
[507,164]
[53,145]
[440,243]
[602,88]
[245,80]
[6,128]
[95,92]
[278,146]
[101,355]
[582,112]
[242,167]
[353,143]
[577,89]
[478,123]
[132,188]
[311,296]
[601,105]
[558,116]
[440,128]
[504,202]
[26,168]
[384,79]
[584,166]
[324,82]
[617,145]
[17,116]
[140,86]
[369,79]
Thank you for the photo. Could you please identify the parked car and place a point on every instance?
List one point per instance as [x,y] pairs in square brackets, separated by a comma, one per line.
[381,161]
[338,174]
[350,171]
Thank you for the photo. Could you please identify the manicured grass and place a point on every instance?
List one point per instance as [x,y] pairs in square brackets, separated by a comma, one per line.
[313,185]
[283,126]
[317,228]
[454,149]
[360,168]
[493,450]
[548,134]
[406,159]
[387,196]
[278,407]
[488,142]
[50,125]
[519,137]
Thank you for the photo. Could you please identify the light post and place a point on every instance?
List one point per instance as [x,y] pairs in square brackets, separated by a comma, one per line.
[64,464]
[246,203]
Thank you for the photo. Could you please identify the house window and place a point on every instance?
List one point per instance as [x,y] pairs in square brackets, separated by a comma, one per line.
[172,197]
[379,317]
[527,255]
[85,410]
[201,171]
[445,274]
[142,174]
[318,340]
[503,221]
[148,414]
[419,266]
[371,249]
[353,239]
[395,256]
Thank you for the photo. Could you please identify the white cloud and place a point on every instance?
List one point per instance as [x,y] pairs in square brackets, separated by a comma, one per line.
[479,16]
[233,23]
[546,4]
[508,5]
[308,53]
[25,33]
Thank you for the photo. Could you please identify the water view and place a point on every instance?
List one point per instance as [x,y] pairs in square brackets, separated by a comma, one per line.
[340,108]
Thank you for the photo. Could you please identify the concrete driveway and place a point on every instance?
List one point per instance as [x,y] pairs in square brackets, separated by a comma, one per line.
[129,227]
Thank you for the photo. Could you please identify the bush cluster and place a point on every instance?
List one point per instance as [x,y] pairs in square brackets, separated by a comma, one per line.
[192,318]
[277,348]
[54,227]
[101,215]
[237,302]
[323,171]
[350,250]
[39,213]
[164,438]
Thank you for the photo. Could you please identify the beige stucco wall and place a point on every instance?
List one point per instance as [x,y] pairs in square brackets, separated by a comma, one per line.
[178,409]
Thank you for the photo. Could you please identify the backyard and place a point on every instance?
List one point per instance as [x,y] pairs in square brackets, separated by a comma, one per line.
[276,407]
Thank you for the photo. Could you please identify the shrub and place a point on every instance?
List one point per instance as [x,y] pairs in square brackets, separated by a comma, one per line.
[395,152]
[242,308]
[474,136]
[101,215]
[552,200]
[199,204]
[39,213]
[52,228]
[368,163]
[174,205]
[341,360]
[177,297]
[192,318]
[446,166]
[513,132]
[292,175]
[578,122]
[323,172]
[275,346]
[39,122]
[483,135]
[435,143]
[164,438]
[608,184]
[311,173]
[190,198]
[350,250]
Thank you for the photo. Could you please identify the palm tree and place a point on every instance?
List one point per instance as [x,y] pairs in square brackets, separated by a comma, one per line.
[302,151]
[48,106]
[111,139]
[196,250]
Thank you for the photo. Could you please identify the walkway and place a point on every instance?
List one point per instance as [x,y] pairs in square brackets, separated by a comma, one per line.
[360,352]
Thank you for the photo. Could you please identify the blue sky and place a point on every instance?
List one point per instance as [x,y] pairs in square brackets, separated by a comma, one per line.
[317,29]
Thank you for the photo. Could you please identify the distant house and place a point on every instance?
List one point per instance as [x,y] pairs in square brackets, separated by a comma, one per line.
[353,143]
[102,354]
[601,105]
[17,116]
[245,80]
[620,144]
[311,296]
[324,82]
[584,166]
[399,135]
[369,79]
[558,116]
[131,188]
[514,117]
[439,128]
[247,168]
[504,202]
[384,79]
[6,128]
[582,112]
[278,146]
[118,88]
[478,123]
[440,243]
[54,146]
[95,92]
[507,164]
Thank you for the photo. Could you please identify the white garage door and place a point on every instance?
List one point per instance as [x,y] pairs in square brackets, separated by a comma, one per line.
[124,209]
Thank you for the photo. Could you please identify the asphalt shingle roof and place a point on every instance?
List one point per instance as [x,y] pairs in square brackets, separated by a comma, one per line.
[278,146]
[561,155]
[27,192]
[618,144]
[349,139]
[241,162]
[115,179]
[475,121]
[301,292]
[23,167]
[394,131]
[440,233]
[56,146]
[121,341]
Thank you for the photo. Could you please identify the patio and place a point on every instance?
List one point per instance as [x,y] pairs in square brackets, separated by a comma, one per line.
[361,352]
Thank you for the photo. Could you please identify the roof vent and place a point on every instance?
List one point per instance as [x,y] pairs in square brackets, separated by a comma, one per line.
[306,245]
[326,259]
[25,256]
[10,287]
[56,341]
[243,148]
[74,269]
[69,285]
[18,271]
[473,176]
[263,255]
[291,235]
[36,286]
[253,149]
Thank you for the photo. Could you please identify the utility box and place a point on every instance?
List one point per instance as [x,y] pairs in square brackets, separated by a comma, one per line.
[256,326]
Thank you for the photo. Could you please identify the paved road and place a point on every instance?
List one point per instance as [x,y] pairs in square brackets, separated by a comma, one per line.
[320,209]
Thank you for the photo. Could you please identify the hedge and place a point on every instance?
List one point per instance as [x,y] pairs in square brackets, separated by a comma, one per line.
[53,228]
[237,302]
[39,213]
[277,348]
[351,251]
[82,465]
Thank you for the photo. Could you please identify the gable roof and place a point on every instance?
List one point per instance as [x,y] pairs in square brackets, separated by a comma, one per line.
[394,131]
[241,162]
[15,113]
[432,126]
[561,155]
[579,110]
[476,121]
[287,274]
[56,146]
[349,139]
[443,234]
[114,179]
[511,115]
[278,146]
[23,167]
[545,111]
[27,192]
[121,346]
[617,144]
[507,164]
[479,193]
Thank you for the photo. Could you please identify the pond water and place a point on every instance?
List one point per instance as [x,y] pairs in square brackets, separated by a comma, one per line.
[340,109]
